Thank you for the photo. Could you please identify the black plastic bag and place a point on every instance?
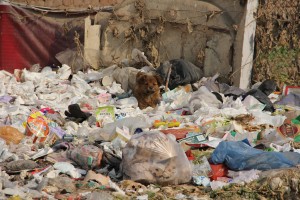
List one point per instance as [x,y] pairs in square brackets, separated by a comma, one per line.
[182,72]
[262,93]
[268,86]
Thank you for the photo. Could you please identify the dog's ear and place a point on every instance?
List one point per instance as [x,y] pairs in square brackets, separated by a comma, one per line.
[159,79]
[141,77]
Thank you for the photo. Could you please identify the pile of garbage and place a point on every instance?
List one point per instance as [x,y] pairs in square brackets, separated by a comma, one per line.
[66,135]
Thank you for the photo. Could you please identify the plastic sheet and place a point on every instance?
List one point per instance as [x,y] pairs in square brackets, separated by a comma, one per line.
[270,136]
[126,77]
[153,157]
[264,118]
[240,156]
[66,168]
[244,176]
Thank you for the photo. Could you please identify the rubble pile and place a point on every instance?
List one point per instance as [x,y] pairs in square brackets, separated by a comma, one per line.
[82,136]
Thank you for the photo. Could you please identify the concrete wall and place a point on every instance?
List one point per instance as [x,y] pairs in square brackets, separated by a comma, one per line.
[68,3]
[226,61]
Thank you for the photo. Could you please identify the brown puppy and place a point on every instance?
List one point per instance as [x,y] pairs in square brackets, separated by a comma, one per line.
[146,90]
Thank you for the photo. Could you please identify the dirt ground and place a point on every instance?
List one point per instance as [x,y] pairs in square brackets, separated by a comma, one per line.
[274,184]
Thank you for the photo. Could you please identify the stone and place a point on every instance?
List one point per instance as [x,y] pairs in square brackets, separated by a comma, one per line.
[276,183]
[63,183]
[21,165]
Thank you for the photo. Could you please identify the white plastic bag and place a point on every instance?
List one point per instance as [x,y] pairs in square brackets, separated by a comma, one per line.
[261,117]
[203,98]
[106,133]
[153,157]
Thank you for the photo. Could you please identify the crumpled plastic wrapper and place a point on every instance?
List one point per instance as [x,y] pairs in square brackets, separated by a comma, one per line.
[86,156]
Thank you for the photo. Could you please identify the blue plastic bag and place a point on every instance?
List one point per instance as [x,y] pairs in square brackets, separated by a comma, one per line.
[239,156]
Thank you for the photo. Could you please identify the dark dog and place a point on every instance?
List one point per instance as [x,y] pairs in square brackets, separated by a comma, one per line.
[147,90]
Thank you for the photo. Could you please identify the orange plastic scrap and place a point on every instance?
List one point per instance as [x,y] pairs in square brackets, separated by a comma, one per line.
[11,134]
[169,124]
[181,133]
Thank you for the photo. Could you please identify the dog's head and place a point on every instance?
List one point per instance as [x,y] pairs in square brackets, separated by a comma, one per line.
[150,83]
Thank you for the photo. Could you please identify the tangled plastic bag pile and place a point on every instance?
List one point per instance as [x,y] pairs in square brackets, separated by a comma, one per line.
[153,157]
[87,130]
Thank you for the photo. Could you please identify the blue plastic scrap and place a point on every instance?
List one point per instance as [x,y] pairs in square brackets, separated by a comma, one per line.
[239,156]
